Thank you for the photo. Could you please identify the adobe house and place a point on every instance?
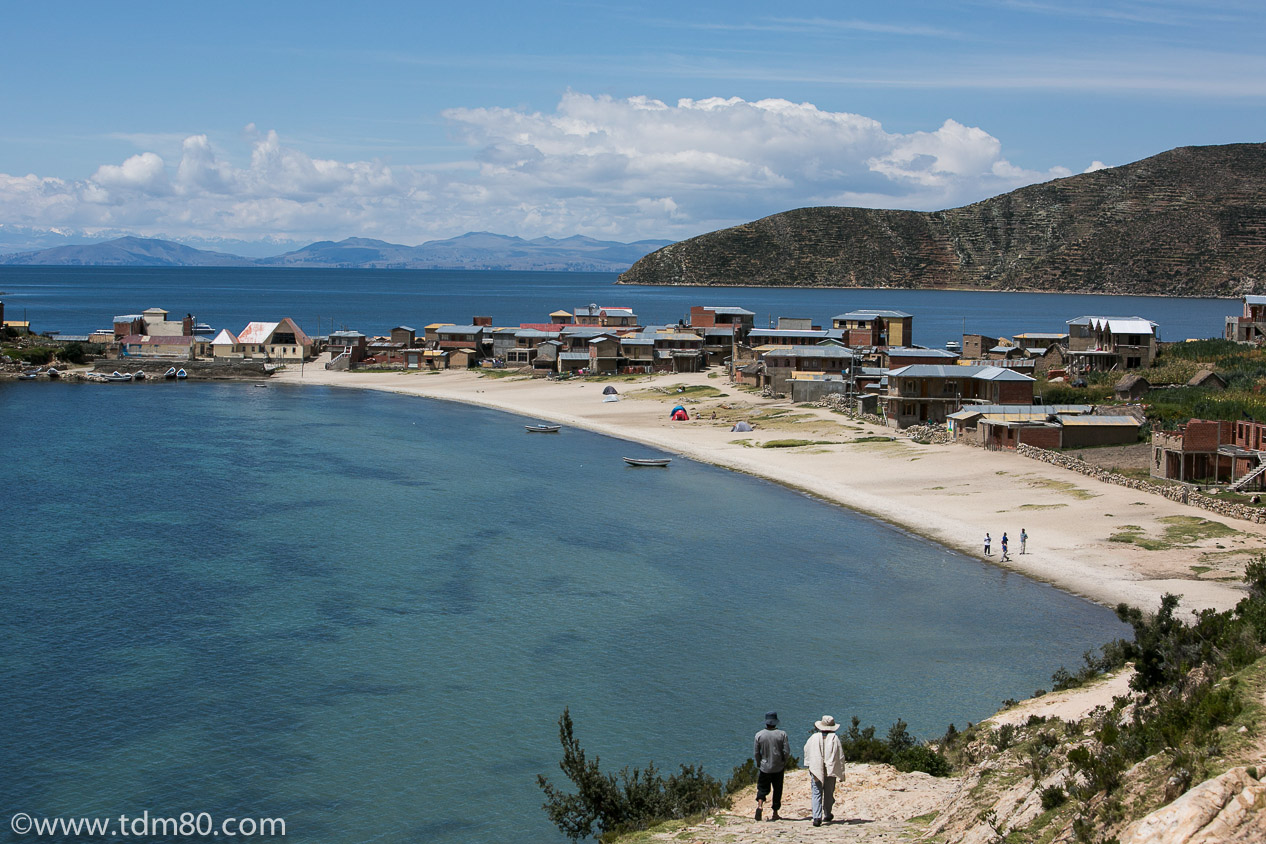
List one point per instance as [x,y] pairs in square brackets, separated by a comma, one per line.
[976,345]
[462,358]
[405,336]
[282,340]
[454,338]
[1040,341]
[1098,343]
[876,327]
[1131,388]
[1250,326]
[924,393]
[353,343]
[782,364]
[1207,379]
[604,355]
[1201,451]
[605,317]
[904,356]
[738,320]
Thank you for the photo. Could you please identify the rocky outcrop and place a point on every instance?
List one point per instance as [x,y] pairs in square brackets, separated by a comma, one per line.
[1191,221]
[1224,810]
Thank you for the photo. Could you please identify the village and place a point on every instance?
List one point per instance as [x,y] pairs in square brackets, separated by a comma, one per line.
[1000,393]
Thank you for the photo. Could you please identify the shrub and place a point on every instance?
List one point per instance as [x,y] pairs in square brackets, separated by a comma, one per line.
[1053,797]
[38,355]
[633,799]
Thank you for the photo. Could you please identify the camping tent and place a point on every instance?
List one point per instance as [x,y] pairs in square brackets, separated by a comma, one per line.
[680,415]
[742,426]
[609,390]
[610,398]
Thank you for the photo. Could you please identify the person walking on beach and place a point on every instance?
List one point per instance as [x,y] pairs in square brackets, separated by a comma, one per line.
[1024,538]
[771,752]
[824,757]
[1005,558]
[987,541]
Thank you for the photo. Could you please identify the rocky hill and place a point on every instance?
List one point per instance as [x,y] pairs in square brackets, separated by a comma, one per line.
[1188,222]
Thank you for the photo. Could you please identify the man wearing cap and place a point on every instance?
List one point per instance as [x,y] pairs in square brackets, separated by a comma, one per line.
[771,753]
[824,757]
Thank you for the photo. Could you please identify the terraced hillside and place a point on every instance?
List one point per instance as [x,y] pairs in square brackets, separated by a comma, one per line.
[1188,222]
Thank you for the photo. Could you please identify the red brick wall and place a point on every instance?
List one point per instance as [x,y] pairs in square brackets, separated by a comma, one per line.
[1202,435]
[1040,437]
[1015,392]
[701,317]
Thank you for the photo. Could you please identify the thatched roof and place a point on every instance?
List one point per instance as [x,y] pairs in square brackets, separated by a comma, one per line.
[1207,378]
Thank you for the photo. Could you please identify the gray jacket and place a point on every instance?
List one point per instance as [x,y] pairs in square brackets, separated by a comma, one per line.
[771,750]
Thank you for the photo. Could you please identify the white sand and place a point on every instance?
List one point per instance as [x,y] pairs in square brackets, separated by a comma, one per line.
[950,493]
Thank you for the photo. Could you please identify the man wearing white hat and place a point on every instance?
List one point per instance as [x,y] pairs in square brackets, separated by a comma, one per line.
[824,757]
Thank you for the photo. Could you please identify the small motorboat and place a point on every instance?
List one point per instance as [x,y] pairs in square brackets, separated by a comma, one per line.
[648,461]
[170,374]
[28,376]
[118,377]
[53,372]
[181,374]
[138,375]
[542,428]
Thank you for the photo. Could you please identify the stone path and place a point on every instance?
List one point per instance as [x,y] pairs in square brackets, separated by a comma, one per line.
[874,805]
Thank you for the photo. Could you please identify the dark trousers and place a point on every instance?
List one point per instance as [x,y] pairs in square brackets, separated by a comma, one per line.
[764,782]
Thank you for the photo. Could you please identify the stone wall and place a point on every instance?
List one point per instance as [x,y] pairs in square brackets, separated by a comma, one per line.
[1174,492]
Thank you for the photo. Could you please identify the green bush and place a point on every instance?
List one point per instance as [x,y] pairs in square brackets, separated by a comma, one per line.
[1053,797]
[37,355]
[633,799]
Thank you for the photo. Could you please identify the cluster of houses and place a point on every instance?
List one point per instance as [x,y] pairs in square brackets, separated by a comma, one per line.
[981,389]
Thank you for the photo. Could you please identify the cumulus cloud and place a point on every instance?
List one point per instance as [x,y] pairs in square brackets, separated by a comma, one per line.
[596,165]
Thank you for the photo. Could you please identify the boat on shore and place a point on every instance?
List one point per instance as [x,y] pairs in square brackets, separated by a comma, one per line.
[181,374]
[170,373]
[118,377]
[53,372]
[28,376]
[138,375]
[648,461]
[542,428]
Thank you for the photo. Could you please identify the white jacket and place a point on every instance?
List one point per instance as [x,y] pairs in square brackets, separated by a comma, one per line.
[823,756]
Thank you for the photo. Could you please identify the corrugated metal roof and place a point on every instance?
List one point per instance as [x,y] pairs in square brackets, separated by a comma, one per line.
[1086,420]
[868,314]
[573,356]
[786,332]
[983,373]
[1255,300]
[257,332]
[810,352]
[907,352]
[728,310]
[460,329]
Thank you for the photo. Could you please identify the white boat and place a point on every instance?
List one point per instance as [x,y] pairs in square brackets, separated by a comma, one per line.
[181,374]
[53,372]
[648,461]
[542,428]
[118,377]
[28,376]
[138,375]
[171,373]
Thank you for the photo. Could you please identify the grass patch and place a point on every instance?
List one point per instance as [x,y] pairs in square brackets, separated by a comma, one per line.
[796,443]
[1065,487]
[1040,506]
[876,440]
[1179,532]
[1199,570]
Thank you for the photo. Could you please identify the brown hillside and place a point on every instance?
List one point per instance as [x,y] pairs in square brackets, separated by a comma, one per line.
[1188,222]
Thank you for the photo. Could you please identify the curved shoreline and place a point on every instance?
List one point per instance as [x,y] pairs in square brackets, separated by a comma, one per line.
[950,494]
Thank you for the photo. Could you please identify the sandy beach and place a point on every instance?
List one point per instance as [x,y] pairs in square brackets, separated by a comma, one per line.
[953,494]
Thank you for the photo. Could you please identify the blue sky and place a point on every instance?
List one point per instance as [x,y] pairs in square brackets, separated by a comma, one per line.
[286,121]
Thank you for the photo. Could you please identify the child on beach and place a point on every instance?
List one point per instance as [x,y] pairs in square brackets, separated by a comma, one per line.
[987,541]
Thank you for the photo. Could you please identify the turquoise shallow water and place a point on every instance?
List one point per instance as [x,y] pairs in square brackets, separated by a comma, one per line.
[364,613]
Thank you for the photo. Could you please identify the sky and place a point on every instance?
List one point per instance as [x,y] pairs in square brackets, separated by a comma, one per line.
[282,122]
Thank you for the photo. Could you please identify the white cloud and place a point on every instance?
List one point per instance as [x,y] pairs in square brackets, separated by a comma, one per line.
[620,168]
[1095,165]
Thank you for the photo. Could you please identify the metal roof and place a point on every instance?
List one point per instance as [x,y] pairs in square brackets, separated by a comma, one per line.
[810,352]
[1040,335]
[786,332]
[983,373]
[573,356]
[1117,325]
[728,310]
[908,352]
[460,329]
[403,328]
[1255,300]
[1086,420]
[225,337]
[869,314]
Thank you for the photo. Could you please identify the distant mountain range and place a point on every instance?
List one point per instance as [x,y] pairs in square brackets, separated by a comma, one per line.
[1187,222]
[471,251]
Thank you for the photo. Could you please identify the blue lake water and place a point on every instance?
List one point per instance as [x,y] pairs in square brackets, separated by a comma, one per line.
[77,300]
[364,613]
